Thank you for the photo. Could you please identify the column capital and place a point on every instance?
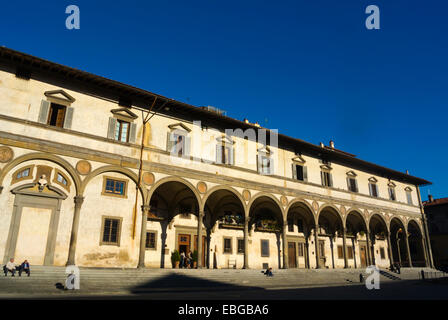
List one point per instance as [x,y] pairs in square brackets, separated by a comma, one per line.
[145,208]
[79,200]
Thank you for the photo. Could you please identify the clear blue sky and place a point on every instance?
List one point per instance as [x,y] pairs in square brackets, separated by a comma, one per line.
[308,68]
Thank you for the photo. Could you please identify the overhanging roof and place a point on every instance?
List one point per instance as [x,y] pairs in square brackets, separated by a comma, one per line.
[84,81]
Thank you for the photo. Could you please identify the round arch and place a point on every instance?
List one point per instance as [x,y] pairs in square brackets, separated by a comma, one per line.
[230,189]
[48,157]
[329,207]
[356,212]
[378,216]
[302,202]
[116,169]
[174,179]
[268,195]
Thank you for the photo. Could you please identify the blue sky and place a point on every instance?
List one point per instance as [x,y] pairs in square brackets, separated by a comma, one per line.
[308,68]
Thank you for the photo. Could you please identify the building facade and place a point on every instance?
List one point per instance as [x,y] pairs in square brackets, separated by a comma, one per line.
[97,173]
[436,211]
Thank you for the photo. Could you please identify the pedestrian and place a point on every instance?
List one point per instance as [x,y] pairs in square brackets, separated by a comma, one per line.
[25,267]
[268,272]
[182,259]
[10,267]
[190,259]
[398,267]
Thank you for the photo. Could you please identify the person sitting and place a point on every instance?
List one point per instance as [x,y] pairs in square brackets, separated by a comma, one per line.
[25,266]
[268,272]
[10,267]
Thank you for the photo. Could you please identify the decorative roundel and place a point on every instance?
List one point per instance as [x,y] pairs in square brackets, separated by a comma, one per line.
[343,211]
[83,167]
[315,206]
[148,178]
[202,187]
[246,195]
[284,201]
[6,154]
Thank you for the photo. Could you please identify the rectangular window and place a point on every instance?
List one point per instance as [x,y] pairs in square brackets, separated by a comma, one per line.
[115,187]
[392,194]
[290,225]
[340,252]
[111,231]
[151,240]
[122,131]
[56,115]
[227,245]
[382,253]
[373,190]
[225,155]
[299,173]
[326,179]
[240,245]
[265,165]
[349,252]
[300,248]
[409,197]
[352,185]
[179,145]
[265,248]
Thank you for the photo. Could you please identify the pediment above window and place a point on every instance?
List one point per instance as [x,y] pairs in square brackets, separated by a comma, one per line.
[326,167]
[264,150]
[373,180]
[124,112]
[225,140]
[351,174]
[391,184]
[60,96]
[298,159]
[408,189]
[179,126]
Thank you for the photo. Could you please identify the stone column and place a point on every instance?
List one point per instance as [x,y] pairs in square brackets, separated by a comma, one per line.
[75,228]
[332,251]
[307,253]
[425,254]
[389,247]
[316,245]
[369,260]
[344,248]
[354,252]
[200,217]
[141,256]
[407,248]
[246,243]
[285,246]
[372,251]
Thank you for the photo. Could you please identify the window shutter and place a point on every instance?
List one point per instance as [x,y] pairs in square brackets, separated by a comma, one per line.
[218,153]
[111,129]
[348,184]
[331,179]
[259,163]
[231,155]
[294,172]
[43,112]
[169,142]
[356,185]
[371,189]
[68,118]
[271,166]
[132,132]
[305,173]
[187,146]
[322,178]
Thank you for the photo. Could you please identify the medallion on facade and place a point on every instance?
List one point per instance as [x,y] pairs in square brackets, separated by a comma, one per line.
[343,210]
[83,167]
[246,195]
[315,206]
[148,178]
[6,154]
[284,201]
[202,187]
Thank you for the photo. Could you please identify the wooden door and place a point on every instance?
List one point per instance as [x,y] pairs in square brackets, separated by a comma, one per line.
[292,261]
[362,253]
[184,243]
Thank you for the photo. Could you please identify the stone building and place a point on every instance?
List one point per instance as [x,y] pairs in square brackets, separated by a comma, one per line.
[94,172]
[436,211]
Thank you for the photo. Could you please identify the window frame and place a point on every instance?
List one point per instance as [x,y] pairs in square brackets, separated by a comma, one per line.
[238,241]
[372,186]
[125,188]
[224,245]
[409,199]
[103,224]
[268,248]
[155,240]
[119,124]
[52,106]
[326,178]
[55,179]
[22,178]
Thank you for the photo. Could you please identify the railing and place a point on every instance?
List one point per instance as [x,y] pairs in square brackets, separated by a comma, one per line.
[426,275]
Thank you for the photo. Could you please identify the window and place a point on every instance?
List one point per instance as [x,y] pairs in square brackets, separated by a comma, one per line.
[240,245]
[392,194]
[265,248]
[340,252]
[409,196]
[373,189]
[224,154]
[151,237]
[300,249]
[326,178]
[227,245]
[56,115]
[114,187]
[352,184]
[111,231]
[61,179]
[122,131]
[349,252]
[299,172]
[22,174]
[382,253]
[179,145]
[290,225]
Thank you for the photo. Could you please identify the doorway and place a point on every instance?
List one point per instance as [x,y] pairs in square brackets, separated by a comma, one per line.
[292,261]
[184,243]
[363,255]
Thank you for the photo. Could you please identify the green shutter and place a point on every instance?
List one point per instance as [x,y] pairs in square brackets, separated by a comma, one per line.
[294,172]
[218,154]
[43,112]
[271,165]
[305,173]
[187,146]
[331,179]
[111,129]
[356,185]
[68,118]
[169,142]
[232,156]
[132,132]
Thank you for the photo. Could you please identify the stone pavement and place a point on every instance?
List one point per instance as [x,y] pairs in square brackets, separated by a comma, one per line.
[182,283]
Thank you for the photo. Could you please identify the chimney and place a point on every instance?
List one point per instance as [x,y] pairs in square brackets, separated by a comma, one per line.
[430,198]
[322,144]
[331,144]
[407,171]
